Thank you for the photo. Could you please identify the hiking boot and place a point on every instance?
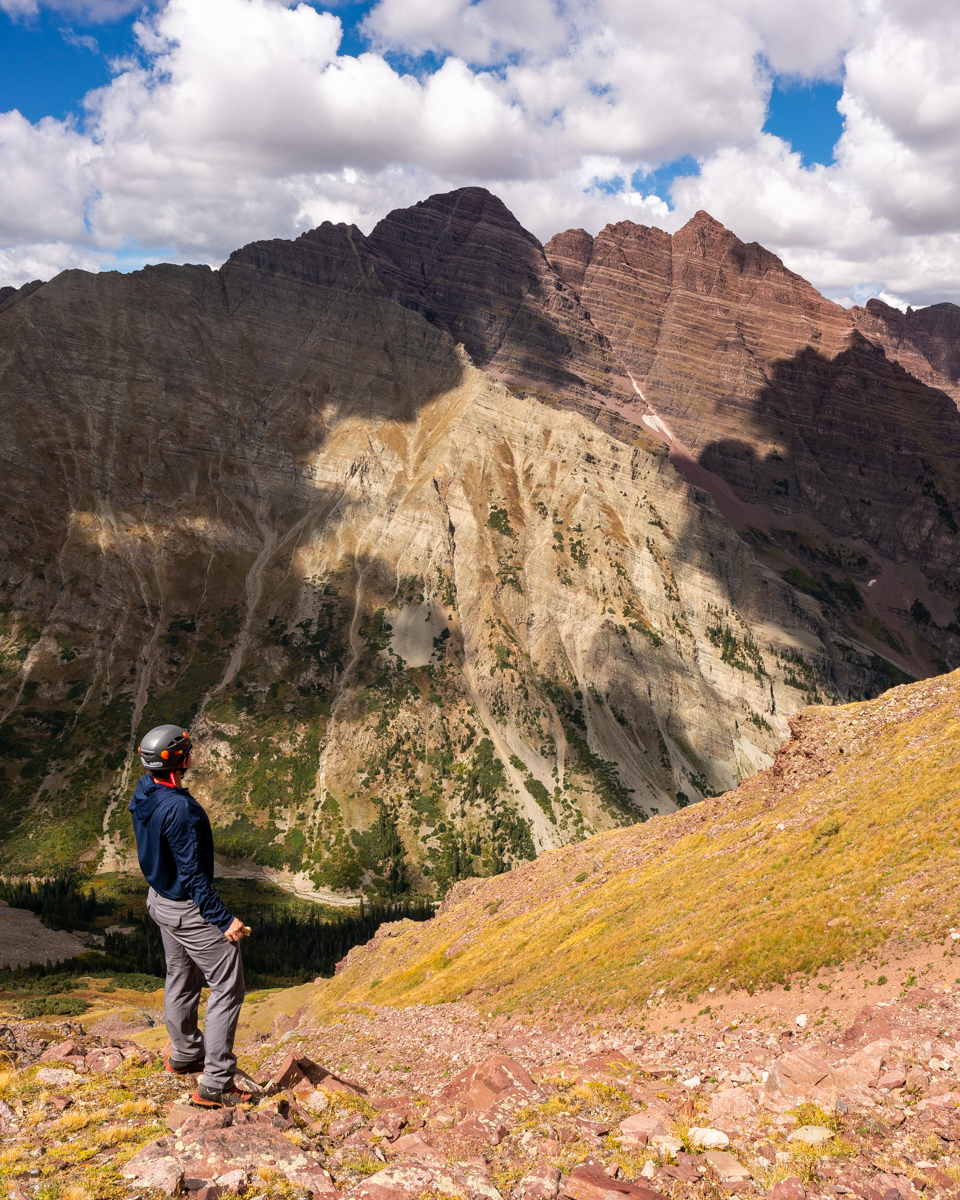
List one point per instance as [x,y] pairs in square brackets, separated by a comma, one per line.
[219,1097]
[190,1068]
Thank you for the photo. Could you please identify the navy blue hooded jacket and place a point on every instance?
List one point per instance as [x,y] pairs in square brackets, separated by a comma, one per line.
[175,847]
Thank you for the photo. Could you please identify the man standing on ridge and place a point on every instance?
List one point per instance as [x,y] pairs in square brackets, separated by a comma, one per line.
[200,938]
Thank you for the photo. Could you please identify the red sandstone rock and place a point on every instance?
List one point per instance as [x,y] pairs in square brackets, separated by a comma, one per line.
[395,1183]
[61,1052]
[492,1081]
[415,1147]
[388,1124]
[732,1102]
[103,1061]
[296,1070]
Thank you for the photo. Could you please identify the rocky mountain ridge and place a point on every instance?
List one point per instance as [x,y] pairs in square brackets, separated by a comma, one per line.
[388,521]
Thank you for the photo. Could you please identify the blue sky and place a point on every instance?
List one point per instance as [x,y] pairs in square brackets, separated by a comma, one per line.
[48,63]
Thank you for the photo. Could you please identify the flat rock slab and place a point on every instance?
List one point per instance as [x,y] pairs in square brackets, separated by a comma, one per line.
[207,1154]
[640,1127]
[726,1166]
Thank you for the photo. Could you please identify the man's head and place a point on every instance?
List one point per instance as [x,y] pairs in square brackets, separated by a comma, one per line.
[165,749]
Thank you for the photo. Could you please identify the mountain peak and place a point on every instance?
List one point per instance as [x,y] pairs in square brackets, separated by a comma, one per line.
[701,219]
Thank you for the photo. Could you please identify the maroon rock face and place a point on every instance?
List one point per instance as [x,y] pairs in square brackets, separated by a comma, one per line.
[464,261]
[769,384]
[925,342]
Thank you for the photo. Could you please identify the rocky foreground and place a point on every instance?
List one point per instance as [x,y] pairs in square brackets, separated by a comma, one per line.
[448,1101]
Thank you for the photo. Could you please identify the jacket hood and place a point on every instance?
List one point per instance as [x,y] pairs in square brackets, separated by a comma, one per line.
[148,796]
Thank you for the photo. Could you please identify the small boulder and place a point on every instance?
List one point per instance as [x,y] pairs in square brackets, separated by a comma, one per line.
[892,1080]
[344,1126]
[165,1174]
[61,1052]
[811,1135]
[799,1069]
[496,1079]
[708,1139]
[591,1129]
[416,1148]
[589,1182]
[396,1183]
[388,1124]
[638,1128]
[732,1102]
[103,1062]
[295,1070]
[480,1128]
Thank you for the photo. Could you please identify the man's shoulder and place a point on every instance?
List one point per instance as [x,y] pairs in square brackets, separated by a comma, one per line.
[179,804]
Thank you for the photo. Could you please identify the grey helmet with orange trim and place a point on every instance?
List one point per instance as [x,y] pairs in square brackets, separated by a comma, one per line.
[165,748]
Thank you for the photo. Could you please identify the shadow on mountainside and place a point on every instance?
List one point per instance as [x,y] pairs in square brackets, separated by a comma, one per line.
[874,456]
[856,440]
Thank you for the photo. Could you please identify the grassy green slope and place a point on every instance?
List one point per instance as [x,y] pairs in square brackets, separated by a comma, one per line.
[851,838]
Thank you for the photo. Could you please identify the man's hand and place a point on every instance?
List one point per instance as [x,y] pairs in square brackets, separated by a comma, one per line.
[235,930]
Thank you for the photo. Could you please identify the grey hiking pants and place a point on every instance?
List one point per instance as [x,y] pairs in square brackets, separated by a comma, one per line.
[198,953]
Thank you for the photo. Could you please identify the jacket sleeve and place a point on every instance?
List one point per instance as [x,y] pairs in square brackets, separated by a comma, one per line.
[179,828]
